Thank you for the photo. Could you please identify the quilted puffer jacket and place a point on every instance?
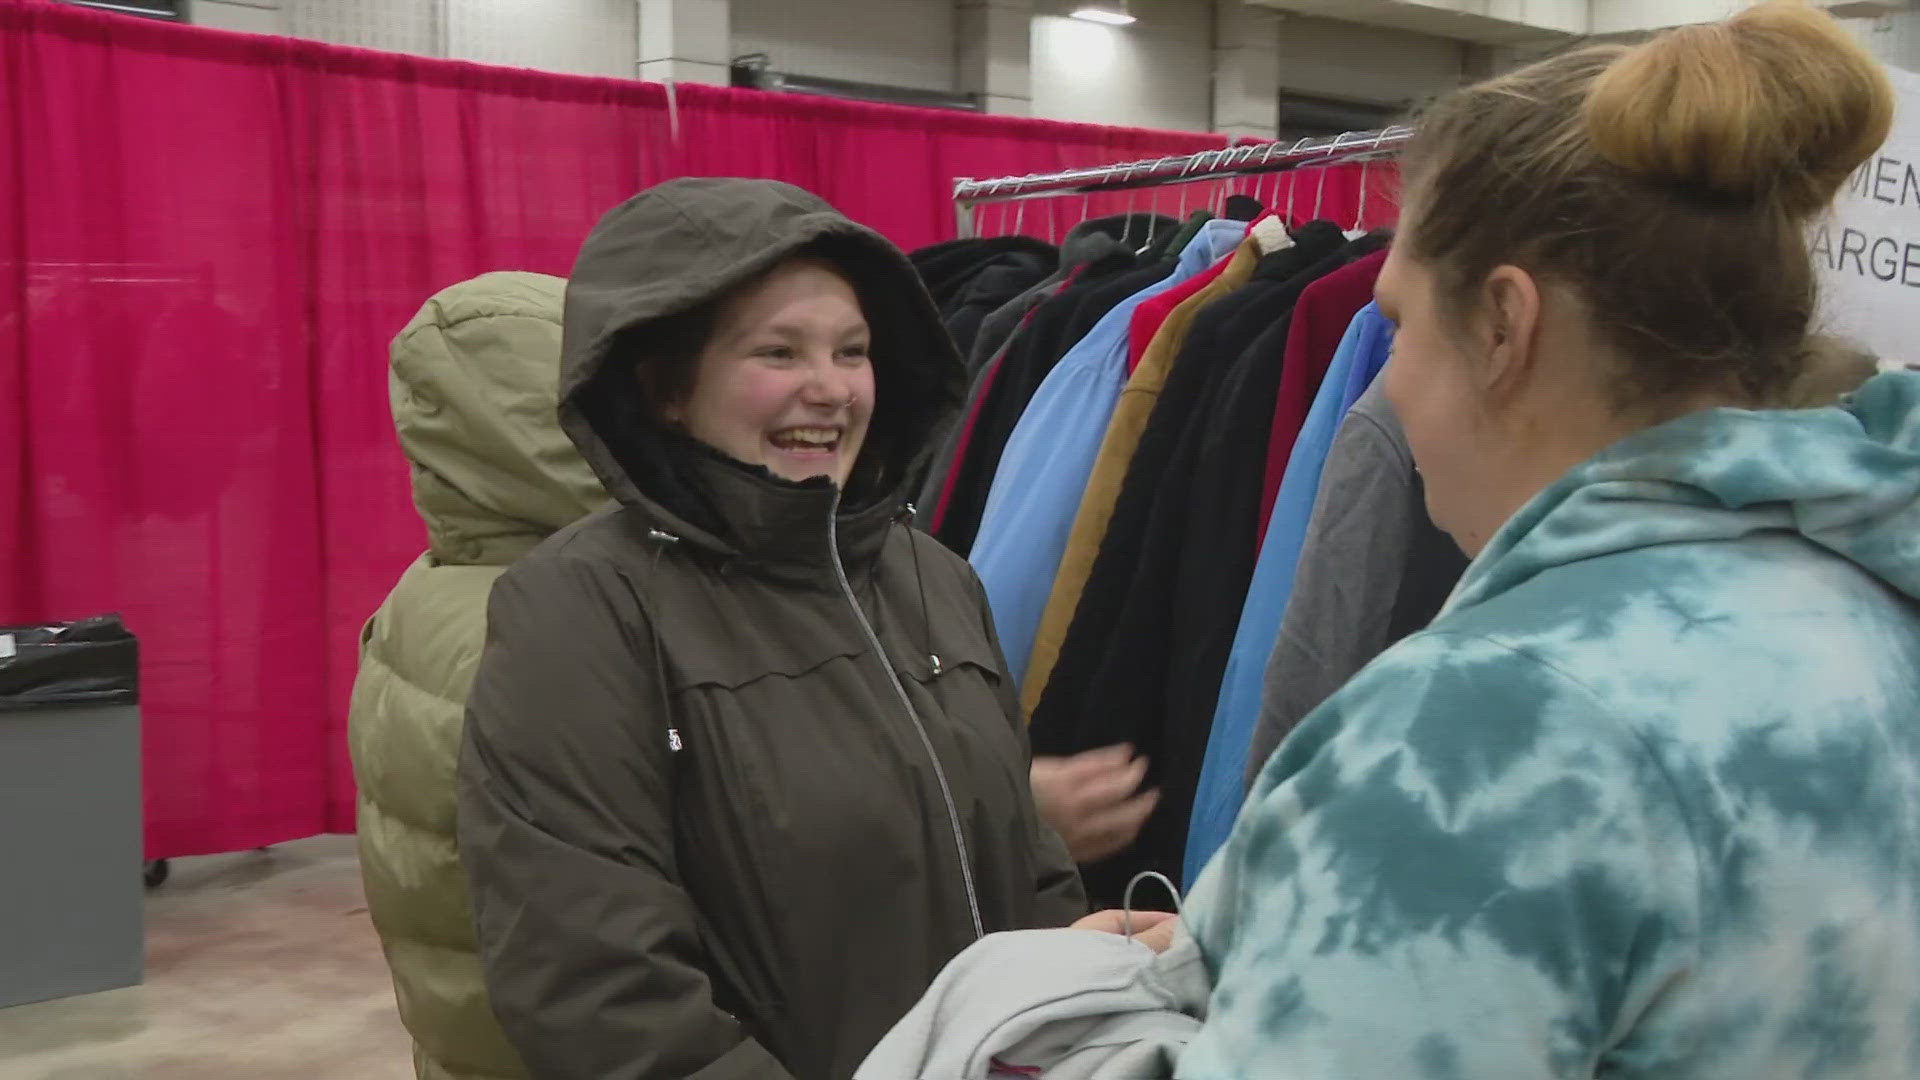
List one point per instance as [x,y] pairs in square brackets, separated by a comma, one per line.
[474,401]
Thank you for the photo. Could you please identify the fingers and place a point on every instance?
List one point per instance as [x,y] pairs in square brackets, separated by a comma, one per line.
[1124,818]
[1098,835]
[1158,937]
[1094,764]
[1093,799]
[1152,928]
[1105,922]
[1115,784]
[1148,920]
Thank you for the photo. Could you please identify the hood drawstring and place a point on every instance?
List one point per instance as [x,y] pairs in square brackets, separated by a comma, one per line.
[905,518]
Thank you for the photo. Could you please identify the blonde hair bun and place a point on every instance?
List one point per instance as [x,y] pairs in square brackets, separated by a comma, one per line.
[1777,103]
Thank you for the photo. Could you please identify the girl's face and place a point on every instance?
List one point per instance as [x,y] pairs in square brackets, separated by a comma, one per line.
[785,380]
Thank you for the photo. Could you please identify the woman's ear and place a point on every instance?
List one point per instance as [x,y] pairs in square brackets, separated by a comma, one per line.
[1510,299]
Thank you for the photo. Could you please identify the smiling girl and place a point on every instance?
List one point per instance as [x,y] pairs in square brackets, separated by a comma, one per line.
[743,765]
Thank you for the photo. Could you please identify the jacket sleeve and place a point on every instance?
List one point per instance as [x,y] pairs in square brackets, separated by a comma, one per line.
[1344,586]
[590,945]
[1062,899]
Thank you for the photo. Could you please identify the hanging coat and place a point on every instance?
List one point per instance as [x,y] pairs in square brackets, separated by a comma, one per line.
[1054,328]
[1236,706]
[1045,466]
[1319,324]
[718,729]
[1117,445]
[1204,351]
[1123,652]
[1373,569]
[1088,242]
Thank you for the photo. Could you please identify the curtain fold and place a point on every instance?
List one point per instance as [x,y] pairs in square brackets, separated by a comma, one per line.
[207,241]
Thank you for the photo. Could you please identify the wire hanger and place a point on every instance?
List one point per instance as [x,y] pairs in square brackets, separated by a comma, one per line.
[1153,219]
[1360,214]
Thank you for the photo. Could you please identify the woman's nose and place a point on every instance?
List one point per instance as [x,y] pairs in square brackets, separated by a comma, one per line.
[831,383]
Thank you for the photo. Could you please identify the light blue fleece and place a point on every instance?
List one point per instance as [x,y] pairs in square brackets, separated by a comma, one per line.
[1643,802]
[1362,353]
[1049,458]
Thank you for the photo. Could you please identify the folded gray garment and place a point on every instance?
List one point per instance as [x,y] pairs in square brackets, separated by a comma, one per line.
[1072,1004]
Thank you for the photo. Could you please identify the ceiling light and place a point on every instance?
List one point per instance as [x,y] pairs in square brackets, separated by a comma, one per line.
[1107,14]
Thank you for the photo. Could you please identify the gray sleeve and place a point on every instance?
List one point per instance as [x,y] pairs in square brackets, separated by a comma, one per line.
[1341,606]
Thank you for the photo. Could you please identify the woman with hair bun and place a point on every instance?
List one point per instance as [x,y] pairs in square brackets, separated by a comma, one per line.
[1645,800]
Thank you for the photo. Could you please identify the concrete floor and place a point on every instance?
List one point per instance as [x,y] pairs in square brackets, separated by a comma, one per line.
[261,965]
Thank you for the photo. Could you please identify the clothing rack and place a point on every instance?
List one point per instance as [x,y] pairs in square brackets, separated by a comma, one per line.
[1247,160]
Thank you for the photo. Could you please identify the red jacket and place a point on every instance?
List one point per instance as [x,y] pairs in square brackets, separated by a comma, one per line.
[1319,321]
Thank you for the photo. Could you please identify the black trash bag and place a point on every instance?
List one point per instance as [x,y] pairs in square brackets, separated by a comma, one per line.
[90,662]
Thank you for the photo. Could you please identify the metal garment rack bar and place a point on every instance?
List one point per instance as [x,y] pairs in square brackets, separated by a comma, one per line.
[1248,160]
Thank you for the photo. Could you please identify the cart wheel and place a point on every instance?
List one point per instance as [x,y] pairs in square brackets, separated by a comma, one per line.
[155,873]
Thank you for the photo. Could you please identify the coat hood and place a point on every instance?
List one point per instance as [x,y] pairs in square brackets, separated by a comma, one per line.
[686,242]
[1096,238]
[948,269]
[474,384]
[1845,478]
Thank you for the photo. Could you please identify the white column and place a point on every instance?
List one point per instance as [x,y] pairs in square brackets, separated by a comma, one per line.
[996,54]
[1246,70]
[686,41]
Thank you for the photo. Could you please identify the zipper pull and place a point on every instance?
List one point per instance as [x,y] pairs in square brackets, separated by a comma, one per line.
[934,660]
[673,740]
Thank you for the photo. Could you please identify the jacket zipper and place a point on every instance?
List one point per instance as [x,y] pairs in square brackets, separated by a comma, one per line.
[920,728]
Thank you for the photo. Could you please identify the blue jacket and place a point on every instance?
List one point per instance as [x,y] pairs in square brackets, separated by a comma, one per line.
[1362,353]
[1050,455]
[1643,802]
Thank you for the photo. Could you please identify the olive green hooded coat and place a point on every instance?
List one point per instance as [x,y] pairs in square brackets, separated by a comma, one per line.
[743,766]
[474,384]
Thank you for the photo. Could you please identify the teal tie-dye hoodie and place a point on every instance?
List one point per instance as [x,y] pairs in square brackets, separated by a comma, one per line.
[1643,802]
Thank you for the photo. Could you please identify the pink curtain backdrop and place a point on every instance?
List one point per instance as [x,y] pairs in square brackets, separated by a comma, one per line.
[207,241]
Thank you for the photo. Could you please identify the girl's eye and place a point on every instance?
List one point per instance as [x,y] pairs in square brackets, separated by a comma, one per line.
[774,352]
[854,352]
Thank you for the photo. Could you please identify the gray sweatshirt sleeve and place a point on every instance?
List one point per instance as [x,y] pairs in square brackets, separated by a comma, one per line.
[1339,612]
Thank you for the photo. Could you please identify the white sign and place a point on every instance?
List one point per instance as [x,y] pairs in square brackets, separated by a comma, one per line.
[1867,252]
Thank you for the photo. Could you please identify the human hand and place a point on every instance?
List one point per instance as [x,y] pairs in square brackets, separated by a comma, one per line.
[1154,929]
[1093,800]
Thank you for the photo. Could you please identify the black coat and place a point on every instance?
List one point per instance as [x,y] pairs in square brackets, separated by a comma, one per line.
[1433,567]
[1127,651]
[989,291]
[948,268]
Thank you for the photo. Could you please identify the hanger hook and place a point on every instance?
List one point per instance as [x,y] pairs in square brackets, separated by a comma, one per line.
[1360,214]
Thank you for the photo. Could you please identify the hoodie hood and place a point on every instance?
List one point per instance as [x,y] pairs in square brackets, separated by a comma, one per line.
[685,242]
[474,384]
[1845,478]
